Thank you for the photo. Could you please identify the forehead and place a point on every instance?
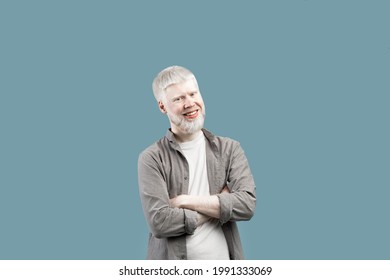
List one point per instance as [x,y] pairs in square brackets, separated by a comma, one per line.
[185,87]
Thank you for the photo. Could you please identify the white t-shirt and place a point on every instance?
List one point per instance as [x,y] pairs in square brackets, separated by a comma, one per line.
[208,241]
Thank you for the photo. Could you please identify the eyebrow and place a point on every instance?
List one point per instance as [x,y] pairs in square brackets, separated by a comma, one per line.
[178,96]
[184,94]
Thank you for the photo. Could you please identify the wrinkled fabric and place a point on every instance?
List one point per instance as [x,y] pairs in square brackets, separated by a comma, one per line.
[163,173]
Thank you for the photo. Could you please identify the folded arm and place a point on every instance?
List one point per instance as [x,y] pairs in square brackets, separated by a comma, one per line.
[206,205]
[237,200]
[239,204]
[163,220]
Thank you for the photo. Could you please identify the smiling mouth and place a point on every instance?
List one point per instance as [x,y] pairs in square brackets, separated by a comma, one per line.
[192,114]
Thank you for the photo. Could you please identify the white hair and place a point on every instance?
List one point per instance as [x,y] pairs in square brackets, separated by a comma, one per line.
[170,76]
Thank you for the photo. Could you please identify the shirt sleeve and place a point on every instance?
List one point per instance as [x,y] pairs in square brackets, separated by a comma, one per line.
[163,220]
[240,203]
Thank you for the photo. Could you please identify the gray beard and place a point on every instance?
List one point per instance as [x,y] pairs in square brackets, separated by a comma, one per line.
[188,127]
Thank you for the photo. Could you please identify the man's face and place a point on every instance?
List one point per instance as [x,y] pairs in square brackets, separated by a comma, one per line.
[184,106]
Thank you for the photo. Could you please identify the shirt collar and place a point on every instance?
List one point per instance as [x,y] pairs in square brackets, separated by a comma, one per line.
[209,136]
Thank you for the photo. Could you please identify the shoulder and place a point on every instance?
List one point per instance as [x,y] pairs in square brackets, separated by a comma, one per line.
[228,146]
[154,151]
[226,141]
[222,143]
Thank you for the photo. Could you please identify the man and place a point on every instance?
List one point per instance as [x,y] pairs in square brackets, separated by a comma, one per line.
[194,185]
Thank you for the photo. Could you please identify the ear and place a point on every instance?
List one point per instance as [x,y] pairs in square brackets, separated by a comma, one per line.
[162,107]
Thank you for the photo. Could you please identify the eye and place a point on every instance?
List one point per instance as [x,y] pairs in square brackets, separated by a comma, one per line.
[177,99]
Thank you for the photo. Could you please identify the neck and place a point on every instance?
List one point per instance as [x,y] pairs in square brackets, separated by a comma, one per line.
[185,137]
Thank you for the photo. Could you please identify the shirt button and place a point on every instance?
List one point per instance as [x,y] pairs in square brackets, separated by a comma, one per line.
[185,178]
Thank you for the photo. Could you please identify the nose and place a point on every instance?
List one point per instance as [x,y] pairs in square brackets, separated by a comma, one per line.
[189,102]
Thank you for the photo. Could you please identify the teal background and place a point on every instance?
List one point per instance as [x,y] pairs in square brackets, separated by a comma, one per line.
[303,85]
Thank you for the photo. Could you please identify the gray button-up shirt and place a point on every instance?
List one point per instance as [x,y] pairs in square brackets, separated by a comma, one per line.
[163,173]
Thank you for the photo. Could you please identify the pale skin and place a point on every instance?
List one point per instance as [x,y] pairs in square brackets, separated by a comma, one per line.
[184,101]
[180,100]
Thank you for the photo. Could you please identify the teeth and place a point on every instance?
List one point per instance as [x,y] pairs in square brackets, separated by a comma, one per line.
[191,114]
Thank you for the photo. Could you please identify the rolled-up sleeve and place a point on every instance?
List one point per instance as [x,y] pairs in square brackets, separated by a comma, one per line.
[240,203]
[163,220]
